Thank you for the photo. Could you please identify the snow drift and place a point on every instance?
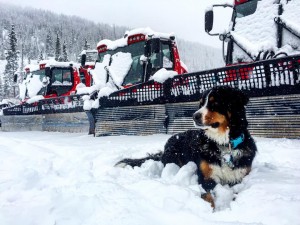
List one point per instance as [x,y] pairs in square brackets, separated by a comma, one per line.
[69,179]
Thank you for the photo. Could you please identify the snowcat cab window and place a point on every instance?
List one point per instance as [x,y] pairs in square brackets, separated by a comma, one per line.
[40,73]
[61,80]
[167,56]
[61,77]
[246,8]
[82,78]
[100,57]
[135,74]
[155,61]
[155,57]
[102,54]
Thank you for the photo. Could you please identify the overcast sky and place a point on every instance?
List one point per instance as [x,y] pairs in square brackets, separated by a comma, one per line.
[183,17]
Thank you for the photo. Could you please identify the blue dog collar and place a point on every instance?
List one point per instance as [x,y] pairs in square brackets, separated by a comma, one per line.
[235,142]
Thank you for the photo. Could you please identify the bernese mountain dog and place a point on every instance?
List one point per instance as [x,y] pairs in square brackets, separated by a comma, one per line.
[222,147]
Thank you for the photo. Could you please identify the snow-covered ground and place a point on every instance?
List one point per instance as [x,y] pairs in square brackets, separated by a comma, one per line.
[69,179]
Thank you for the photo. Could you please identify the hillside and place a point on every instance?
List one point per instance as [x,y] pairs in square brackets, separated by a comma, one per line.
[199,57]
[33,26]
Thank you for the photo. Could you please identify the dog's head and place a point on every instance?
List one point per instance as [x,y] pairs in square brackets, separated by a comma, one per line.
[221,110]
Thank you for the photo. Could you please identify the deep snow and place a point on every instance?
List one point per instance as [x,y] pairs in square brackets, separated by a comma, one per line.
[69,179]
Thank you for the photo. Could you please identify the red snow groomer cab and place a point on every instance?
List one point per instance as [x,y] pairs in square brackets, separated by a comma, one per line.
[150,51]
[259,30]
[52,79]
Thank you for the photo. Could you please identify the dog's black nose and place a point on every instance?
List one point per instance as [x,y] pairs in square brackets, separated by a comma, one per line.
[196,117]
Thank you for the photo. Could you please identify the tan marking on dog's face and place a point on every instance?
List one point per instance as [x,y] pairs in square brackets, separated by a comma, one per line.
[210,118]
[209,198]
[205,169]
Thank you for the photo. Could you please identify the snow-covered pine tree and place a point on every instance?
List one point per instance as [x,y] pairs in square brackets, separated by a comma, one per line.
[41,57]
[30,55]
[86,45]
[12,57]
[2,56]
[65,53]
[49,45]
[57,49]
[22,56]
[35,47]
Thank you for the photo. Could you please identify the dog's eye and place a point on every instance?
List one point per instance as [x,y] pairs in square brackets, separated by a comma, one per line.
[214,104]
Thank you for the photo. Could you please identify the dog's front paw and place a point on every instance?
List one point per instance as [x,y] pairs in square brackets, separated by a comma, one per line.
[209,198]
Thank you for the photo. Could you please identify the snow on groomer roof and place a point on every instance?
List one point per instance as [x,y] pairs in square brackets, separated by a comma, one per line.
[148,32]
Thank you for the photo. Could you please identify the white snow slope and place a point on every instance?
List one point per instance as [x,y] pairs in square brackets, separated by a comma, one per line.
[69,179]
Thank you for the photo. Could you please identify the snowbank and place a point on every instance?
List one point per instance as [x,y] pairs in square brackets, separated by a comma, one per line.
[48,180]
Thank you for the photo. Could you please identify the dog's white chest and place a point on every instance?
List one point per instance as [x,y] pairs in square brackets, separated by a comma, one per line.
[226,175]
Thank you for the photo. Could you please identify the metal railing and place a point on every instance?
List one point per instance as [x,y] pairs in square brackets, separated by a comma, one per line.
[62,104]
[279,76]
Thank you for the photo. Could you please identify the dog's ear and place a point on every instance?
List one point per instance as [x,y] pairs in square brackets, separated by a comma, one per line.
[235,96]
[241,97]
